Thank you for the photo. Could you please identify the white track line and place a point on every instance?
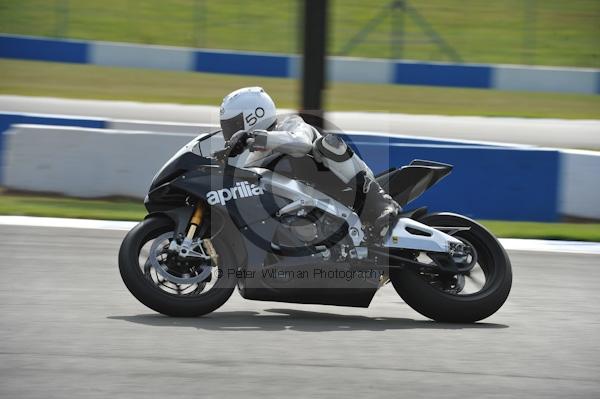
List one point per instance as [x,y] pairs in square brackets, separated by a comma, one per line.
[512,244]
[581,247]
[64,222]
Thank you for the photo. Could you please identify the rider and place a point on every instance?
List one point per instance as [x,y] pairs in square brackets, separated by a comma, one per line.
[248,120]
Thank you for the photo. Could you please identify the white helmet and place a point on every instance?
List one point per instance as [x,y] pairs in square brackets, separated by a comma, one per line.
[249,108]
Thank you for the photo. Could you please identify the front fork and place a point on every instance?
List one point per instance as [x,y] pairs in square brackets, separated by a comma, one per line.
[194,222]
[206,248]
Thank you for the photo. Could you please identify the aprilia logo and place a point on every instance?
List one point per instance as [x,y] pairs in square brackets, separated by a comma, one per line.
[240,190]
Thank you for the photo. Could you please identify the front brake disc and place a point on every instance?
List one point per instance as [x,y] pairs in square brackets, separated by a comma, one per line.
[162,269]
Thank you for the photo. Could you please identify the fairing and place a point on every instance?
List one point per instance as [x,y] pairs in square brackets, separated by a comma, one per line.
[192,175]
[409,182]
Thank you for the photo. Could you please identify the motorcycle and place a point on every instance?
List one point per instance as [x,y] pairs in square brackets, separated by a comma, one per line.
[288,230]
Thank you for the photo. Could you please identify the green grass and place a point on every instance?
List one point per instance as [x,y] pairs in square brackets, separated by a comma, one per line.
[548,231]
[94,82]
[51,206]
[555,32]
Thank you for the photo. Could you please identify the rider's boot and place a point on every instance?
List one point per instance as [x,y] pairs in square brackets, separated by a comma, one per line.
[378,211]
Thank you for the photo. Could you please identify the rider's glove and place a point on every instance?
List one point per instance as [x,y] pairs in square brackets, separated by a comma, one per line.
[259,141]
[238,142]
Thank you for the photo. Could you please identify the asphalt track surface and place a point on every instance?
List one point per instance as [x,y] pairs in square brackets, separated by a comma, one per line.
[540,132]
[69,328]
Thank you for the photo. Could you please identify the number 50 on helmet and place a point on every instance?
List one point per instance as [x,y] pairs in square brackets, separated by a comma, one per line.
[249,109]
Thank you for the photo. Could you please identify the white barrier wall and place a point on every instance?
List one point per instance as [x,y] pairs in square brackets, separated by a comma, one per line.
[580,184]
[550,79]
[135,56]
[360,70]
[85,162]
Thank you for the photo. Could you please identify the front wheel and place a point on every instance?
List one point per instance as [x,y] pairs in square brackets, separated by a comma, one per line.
[469,296]
[165,283]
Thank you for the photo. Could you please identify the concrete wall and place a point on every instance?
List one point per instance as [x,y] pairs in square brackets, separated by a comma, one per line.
[483,76]
[488,181]
[84,162]
[580,184]
[7,119]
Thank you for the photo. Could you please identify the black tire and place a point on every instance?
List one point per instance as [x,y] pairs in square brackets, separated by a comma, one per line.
[439,305]
[163,302]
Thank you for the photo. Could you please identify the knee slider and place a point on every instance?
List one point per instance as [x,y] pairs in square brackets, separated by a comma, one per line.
[334,148]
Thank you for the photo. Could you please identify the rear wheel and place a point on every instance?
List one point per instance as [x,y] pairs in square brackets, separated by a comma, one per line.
[167,284]
[469,296]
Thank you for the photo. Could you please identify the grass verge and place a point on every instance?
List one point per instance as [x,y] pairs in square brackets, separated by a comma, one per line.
[50,206]
[65,207]
[108,83]
[546,231]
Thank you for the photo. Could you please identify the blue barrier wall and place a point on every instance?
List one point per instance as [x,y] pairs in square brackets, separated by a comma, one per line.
[427,74]
[7,119]
[493,183]
[242,64]
[486,182]
[32,48]
[503,77]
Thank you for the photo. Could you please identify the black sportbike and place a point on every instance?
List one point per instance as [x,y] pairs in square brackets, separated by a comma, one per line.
[288,230]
